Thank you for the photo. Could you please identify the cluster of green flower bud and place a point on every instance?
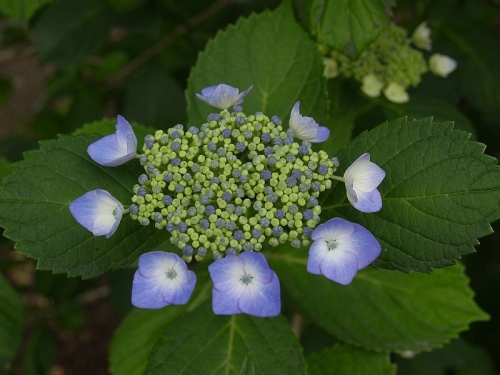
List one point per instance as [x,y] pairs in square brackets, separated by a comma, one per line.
[390,58]
[236,183]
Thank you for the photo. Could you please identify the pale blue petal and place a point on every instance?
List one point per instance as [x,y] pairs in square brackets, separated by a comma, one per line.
[207,91]
[157,263]
[147,293]
[333,229]
[177,292]
[226,303]
[262,300]
[364,244]
[222,96]
[365,175]
[239,98]
[340,265]
[226,272]
[317,252]
[98,211]
[115,149]
[323,135]
[368,202]
[256,265]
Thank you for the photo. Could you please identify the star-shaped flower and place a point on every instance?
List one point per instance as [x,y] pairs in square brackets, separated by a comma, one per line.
[115,149]
[245,284]
[222,96]
[361,180]
[340,249]
[162,279]
[306,128]
[98,211]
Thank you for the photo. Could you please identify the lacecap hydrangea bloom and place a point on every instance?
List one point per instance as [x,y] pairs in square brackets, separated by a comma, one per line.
[231,188]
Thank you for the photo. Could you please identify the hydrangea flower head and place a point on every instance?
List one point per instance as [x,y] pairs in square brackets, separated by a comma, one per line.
[222,96]
[340,249]
[361,180]
[115,149]
[98,211]
[441,65]
[162,279]
[306,128]
[421,37]
[245,284]
[396,93]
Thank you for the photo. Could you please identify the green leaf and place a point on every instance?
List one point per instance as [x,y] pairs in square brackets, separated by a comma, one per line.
[458,357]
[5,167]
[11,323]
[382,310]
[439,194]
[202,342]
[248,367]
[136,336]
[348,26]
[269,51]
[348,360]
[21,9]
[34,211]
[70,30]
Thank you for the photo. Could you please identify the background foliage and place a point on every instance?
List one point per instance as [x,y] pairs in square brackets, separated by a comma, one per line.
[64,63]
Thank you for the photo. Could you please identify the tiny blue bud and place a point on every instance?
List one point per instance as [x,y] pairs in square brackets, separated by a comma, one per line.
[272,197]
[266,175]
[202,251]
[248,134]
[307,215]
[221,151]
[149,144]
[290,133]
[195,167]
[187,177]
[278,141]
[143,159]
[150,168]
[182,227]
[268,190]
[293,209]
[303,150]
[214,180]
[238,210]
[291,181]
[141,192]
[264,222]
[204,199]
[176,162]
[197,187]
[169,176]
[237,108]
[240,192]
[256,233]
[277,230]
[313,201]
[170,227]
[175,134]
[209,210]
[194,130]
[296,243]
[179,127]
[308,173]
[213,117]
[303,187]
[231,251]
[134,209]
[204,224]
[268,151]
[315,186]
[288,140]
[179,188]
[175,146]
[276,120]
[143,179]
[191,211]
[226,133]
[240,120]
[296,174]
[157,217]
[279,214]
[238,235]
[211,146]
[247,246]
[227,196]
[220,223]
[335,162]
[236,173]
[243,179]
[290,158]
[231,225]
[167,200]
[323,169]
[187,250]
[240,146]
[307,232]
[209,193]
[266,137]
[214,164]
[271,161]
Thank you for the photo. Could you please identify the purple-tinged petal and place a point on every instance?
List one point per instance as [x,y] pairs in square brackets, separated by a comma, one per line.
[226,272]
[147,293]
[317,253]
[256,264]
[364,244]
[222,96]
[262,300]
[340,266]
[177,292]
[226,303]
[115,149]
[98,211]
[335,228]
[306,128]
[162,279]
[368,202]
